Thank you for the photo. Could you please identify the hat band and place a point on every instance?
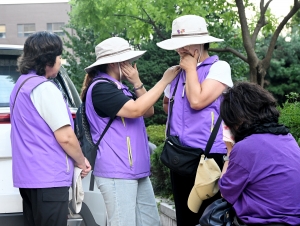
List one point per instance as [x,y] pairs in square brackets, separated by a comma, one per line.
[179,35]
[112,54]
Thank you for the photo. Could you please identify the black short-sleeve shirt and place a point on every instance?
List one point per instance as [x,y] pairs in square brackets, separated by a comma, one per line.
[108,99]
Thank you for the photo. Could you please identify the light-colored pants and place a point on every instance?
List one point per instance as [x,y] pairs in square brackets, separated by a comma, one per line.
[129,202]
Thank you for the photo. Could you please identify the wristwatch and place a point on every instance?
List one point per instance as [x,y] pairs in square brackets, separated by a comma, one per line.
[225,158]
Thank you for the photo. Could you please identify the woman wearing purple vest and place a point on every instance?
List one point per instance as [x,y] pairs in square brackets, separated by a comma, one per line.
[261,175]
[202,80]
[122,166]
[44,146]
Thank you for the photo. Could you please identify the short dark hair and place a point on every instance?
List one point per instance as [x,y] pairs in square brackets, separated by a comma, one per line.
[246,104]
[102,68]
[40,50]
[206,46]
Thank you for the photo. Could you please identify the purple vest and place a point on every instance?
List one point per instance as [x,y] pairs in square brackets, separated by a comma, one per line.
[194,126]
[38,159]
[123,152]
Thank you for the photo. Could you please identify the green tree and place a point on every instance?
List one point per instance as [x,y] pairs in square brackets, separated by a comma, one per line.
[160,176]
[148,22]
[290,114]
[283,74]
[143,18]
[294,23]
[80,52]
[151,68]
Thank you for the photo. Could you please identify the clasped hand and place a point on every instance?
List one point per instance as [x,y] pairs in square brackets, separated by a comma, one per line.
[188,61]
[86,168]
[131,73]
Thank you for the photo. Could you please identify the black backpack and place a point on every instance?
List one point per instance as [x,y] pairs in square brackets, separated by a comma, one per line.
[82,131]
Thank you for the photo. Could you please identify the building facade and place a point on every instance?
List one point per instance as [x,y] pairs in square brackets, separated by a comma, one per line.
[18,21]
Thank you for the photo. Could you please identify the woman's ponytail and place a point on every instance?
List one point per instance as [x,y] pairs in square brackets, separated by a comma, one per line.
[88,79]
[85,85]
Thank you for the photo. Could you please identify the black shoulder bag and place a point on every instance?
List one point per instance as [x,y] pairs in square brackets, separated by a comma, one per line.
[218,213]
[181,159]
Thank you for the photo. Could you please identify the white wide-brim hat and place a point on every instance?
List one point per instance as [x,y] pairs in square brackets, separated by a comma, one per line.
[77,190]
[188,30]
[114,50]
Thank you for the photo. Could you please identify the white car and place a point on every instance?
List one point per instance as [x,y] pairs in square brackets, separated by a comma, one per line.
[93,210]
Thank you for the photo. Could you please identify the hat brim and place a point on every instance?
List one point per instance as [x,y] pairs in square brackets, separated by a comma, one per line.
[77,190]
[206,183]
[130,55]
[194,202]
[179,42]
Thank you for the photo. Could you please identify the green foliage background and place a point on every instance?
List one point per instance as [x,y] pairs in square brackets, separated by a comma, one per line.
[143,18]
[79,52]
[290,115]
[151,68]
[156,133]
[160,176]
[283,76]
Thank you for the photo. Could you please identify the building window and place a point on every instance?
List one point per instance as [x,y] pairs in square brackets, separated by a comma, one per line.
[24,30]
[2,31]
[56,28]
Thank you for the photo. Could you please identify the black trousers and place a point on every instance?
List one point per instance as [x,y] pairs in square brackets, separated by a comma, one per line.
[45,206]
[182,186]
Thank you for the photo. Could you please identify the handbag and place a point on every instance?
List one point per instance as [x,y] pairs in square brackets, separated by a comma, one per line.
[221,213]
[181,159]
[218,213]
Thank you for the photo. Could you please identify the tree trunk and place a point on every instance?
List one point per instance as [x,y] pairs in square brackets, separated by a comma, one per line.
[258,73]
[253,74]
[261,72]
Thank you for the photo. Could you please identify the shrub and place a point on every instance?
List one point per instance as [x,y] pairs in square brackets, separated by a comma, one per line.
[290,115]
[156,134]
[160,177]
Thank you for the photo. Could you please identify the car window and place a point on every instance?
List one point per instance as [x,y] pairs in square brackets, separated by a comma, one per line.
[8,78]
[9,75]
[59,83]
[69,87]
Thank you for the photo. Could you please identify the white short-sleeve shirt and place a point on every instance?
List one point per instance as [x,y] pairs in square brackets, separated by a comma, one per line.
[49,103]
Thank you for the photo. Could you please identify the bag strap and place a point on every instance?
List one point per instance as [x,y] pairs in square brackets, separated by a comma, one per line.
[105,130]
[92,180]
[111,120]
[212,136]
[171,106]
[20,89]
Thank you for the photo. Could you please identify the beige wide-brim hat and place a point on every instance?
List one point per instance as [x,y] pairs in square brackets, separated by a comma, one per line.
[114,50]
[188,30]
[77,190]
[206,183]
